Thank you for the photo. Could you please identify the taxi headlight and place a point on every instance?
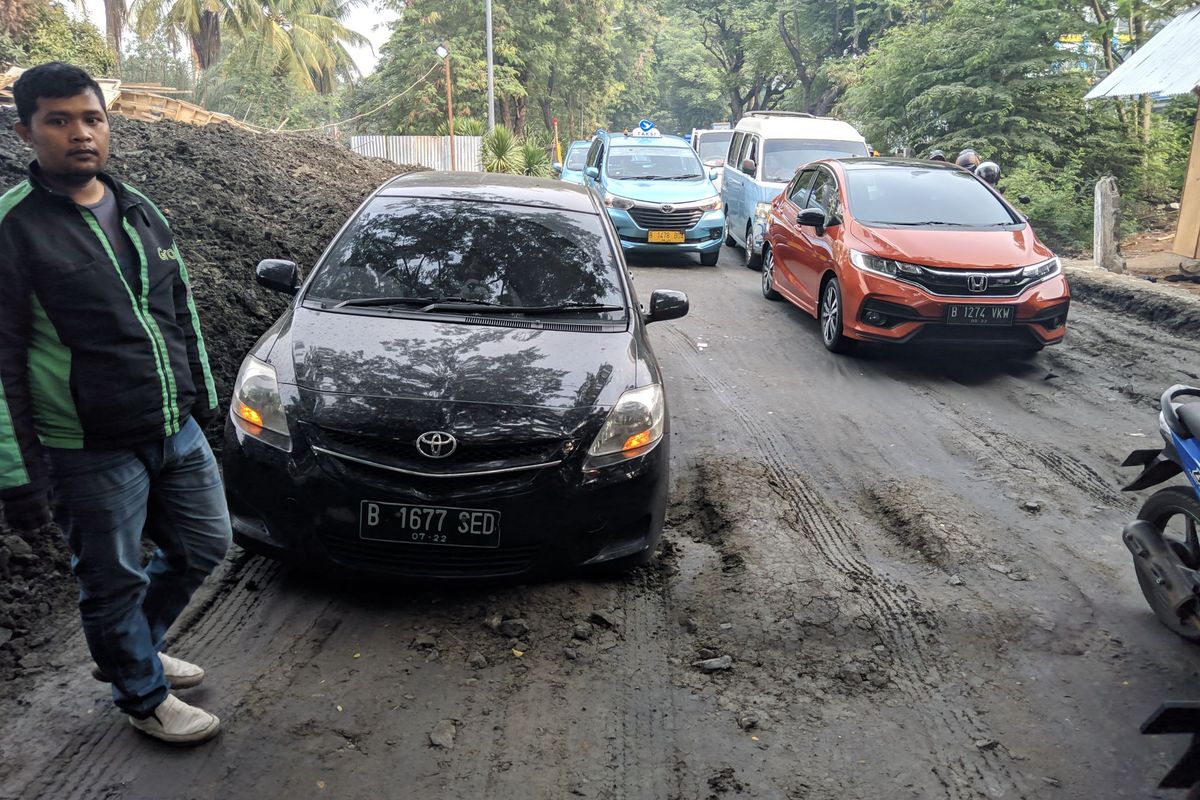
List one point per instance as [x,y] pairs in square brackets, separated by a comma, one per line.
[1042,270]
[710,204]
[883,266]
[256,407]
[615,201]
[633,427]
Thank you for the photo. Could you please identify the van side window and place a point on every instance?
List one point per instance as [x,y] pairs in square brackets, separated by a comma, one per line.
[797,191]
[735,147]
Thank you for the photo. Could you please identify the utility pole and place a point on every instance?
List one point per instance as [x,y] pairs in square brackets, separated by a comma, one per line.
[444,52]
[490,76]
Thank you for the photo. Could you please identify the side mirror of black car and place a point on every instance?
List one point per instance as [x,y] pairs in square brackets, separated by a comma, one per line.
[1025,199]
[278,275]
[749,166]
[811,217]
[667,304]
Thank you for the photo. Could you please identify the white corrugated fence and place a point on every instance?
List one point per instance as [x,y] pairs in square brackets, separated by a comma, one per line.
[428,151]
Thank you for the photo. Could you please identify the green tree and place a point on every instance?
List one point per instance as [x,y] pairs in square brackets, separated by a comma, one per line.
[986,74]
[50,34]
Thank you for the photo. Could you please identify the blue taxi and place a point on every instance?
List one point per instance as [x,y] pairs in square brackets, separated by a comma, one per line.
[571,170]
[659,196]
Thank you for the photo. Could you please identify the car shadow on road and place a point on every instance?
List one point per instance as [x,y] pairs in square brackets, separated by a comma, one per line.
[666,261]
[961,365]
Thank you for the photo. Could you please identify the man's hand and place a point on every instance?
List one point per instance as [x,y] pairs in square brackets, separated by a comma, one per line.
[28,513]
[203,416]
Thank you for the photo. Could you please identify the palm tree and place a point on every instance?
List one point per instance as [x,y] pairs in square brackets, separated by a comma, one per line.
[115,14]
[301,39]
[198,20]
[306,41]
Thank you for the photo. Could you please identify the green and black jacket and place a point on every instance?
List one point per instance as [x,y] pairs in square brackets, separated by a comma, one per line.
[88,359]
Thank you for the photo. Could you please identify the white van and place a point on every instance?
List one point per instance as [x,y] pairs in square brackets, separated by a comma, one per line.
[766,150]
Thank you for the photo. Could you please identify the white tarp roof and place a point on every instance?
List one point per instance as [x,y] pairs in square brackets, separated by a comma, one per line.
[1167,64]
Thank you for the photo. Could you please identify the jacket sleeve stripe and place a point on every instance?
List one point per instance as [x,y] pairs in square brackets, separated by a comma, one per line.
[12,461]
[209,385]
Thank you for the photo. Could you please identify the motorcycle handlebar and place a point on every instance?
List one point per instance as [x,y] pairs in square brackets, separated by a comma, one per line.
[1168,406]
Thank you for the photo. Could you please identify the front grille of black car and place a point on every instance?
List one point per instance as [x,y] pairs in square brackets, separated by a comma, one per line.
[953,283]
[449,488]
[467,457]
[429,561]
[657,219]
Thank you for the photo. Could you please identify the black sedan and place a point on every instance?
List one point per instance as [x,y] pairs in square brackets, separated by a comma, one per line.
[462,388]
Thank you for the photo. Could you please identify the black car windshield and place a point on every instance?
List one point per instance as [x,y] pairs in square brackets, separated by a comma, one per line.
[576,158]
[714,145]
[904,196]
[471,252]
[782,157]
[649,162]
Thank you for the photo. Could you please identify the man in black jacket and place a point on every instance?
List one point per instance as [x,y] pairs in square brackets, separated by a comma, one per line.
[103,379]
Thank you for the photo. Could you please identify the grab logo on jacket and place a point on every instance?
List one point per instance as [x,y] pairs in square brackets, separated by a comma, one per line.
[168,255]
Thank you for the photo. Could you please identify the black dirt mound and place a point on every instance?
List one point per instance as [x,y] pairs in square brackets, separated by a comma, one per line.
[232,198]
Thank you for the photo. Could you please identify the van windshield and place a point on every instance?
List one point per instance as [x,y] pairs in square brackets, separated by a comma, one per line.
[714,144]
[648,163]
[782,157]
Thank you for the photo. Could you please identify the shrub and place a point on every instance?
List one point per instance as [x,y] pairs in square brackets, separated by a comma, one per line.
[502,151]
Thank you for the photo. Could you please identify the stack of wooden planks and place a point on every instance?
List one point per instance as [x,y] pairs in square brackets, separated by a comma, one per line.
[149,102]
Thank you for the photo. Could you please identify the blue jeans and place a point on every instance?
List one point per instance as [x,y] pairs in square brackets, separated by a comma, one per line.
[105,500]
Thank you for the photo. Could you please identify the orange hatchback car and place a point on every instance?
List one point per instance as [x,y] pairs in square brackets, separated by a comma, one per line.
[893,250]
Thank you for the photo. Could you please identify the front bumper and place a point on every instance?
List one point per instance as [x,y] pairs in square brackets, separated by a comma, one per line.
[705,236]
[911,314]
[304,506]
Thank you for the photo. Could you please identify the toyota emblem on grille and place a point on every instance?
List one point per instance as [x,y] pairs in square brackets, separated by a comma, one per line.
[977,283]
[436,444]
[668,208]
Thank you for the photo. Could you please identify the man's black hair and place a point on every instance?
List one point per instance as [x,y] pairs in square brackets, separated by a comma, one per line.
[51,80]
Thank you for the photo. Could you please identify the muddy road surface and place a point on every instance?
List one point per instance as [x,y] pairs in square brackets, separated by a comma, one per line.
[911,560]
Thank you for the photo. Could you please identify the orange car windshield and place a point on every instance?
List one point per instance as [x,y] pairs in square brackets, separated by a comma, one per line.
[920,197]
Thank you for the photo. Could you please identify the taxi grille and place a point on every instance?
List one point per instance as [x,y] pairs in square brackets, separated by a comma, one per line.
[657,219]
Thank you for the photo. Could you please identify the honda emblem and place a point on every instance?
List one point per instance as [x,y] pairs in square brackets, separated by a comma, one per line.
[436,444]
[977,283]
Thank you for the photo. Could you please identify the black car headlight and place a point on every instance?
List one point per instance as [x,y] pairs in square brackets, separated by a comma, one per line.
[633,428]
[257,407]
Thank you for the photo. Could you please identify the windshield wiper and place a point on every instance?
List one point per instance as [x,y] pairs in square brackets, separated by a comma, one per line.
[684,177]
[932,222]
[493,308]
[362,302]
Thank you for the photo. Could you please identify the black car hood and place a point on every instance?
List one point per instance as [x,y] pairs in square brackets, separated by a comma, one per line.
[399,375]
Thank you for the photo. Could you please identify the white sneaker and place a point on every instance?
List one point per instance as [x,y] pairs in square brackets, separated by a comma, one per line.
[176,722]
[180,674]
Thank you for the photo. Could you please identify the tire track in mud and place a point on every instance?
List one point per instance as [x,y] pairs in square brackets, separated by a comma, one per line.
[908,628]
[107,741]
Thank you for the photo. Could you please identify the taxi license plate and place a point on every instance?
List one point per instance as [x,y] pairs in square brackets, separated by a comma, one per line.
[444,525]
[979,315]
[665,237]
